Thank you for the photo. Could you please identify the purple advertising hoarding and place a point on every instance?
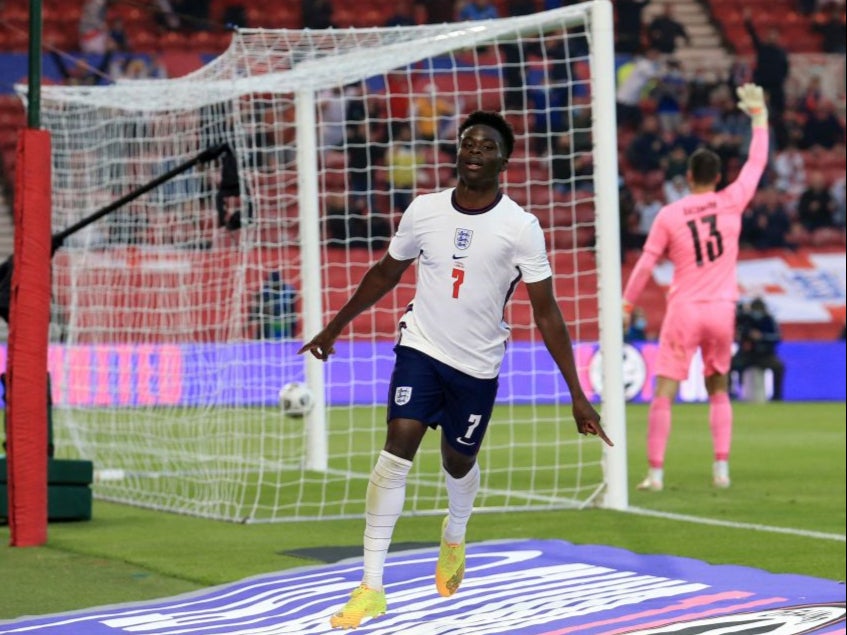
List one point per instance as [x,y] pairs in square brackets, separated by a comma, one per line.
[250,374]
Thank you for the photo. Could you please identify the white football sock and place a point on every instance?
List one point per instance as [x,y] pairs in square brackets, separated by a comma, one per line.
[720,469]
[383,505]
[461,493]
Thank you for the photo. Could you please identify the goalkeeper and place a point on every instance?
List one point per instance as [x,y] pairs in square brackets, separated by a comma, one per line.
[473,245]
[699,235]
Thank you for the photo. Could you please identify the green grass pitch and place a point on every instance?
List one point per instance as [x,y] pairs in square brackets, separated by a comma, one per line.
[785,512]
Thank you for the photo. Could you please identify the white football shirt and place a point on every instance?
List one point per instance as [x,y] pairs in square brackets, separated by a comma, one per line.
[469,264]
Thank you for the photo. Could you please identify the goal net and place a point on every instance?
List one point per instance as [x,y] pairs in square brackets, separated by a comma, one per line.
[178,316]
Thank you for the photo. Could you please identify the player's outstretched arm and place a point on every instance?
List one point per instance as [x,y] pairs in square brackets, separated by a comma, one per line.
[554,331]
[379,280]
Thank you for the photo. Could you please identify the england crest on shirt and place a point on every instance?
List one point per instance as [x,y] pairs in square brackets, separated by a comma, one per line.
[402,395]
[462,239]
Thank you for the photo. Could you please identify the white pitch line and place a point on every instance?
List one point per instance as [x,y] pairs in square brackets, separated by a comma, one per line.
[640,511]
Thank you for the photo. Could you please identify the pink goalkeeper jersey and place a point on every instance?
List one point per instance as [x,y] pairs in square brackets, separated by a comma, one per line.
[699,235]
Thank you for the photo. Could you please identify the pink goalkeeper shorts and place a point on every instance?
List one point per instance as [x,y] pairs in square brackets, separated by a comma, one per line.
[709,326]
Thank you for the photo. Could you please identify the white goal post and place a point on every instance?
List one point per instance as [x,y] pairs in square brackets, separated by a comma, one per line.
[177,317]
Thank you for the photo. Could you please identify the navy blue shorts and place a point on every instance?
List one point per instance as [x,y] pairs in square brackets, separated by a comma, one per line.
[436,394]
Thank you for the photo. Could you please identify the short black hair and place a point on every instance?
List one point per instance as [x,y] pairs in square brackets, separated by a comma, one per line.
[758,305]
[705,166]
[494,120]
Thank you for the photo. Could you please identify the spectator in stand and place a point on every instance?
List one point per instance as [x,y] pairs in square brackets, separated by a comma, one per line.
[671,96]
[6,203]
[331,122]
[790,128]
[235,15]
[630,238]
[629,25]
[118,35]
[94,27]
[807,7]
[434,115]
[816,207]
[729,129]
[402,161]
[739,73]
[676,163]
[477,10]
[823,128]
[571,171]
[156,67]
[355,108]
[440,11]
[165,17]
[562,164]
[132,68]
[194,14]
[548,88]
[837,193]
[789,168]
[772,65]
[397,103]
[361,157]
[808,101]
[830,23]
[317,14]
[700,89]
[685,137]
[404,14]
[758,337]
[664,32]
[766,224]
[648,208]
[675,189]
[514,53]
[647,152]
[350,224]
[274,314]
[633,79]
[520,7]
[637,331]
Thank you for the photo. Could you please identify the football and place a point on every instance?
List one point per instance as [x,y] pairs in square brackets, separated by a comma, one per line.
[295,399]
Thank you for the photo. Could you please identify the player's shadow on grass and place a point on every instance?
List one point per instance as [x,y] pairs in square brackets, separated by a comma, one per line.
[330,555]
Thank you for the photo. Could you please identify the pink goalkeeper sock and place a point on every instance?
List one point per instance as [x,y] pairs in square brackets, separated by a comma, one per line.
[720,423]
[658,430]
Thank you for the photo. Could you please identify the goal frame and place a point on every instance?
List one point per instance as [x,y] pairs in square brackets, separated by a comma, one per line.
[608,238]
[303,84]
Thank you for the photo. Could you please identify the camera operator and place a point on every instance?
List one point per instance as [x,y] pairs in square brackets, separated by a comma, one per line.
[758,337]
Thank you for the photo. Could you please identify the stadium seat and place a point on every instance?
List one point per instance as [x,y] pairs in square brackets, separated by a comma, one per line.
[143,40]
[344,17]
[285,15]
[208,42]
[13,38]
[370,17]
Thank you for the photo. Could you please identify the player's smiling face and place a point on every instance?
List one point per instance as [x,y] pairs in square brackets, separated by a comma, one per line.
[480,158]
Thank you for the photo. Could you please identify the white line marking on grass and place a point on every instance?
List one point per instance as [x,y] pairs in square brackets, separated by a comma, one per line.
[640,511]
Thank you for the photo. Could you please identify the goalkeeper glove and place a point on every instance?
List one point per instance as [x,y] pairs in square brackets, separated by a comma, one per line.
[751,100]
